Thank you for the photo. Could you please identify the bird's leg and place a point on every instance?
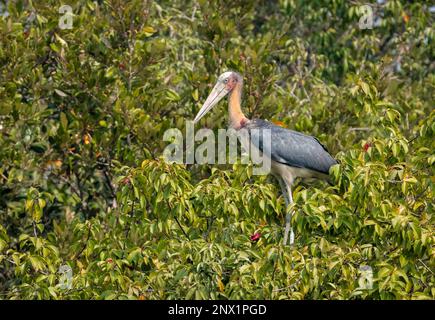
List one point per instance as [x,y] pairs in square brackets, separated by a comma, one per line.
[287,193]
[284,190]
[288,229]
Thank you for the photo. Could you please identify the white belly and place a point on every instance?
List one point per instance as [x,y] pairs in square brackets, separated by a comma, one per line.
[290,173]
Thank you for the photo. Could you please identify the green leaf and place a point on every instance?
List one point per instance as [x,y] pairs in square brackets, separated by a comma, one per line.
[60,93]
[63,121]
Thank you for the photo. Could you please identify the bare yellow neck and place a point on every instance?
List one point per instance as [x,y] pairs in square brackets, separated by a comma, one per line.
[234,110]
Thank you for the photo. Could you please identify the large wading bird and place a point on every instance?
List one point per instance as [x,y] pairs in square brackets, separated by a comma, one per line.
[292,154]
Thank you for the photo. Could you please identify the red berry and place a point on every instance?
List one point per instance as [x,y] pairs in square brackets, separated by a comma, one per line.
[367,146]
[255,236]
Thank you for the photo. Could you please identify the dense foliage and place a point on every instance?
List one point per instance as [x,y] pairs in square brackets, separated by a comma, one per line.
[83,182]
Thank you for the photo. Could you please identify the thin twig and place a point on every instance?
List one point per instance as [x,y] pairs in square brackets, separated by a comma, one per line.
[359,129]
[209,226]
[178,222]
[426,267]
[288,287]
[3,176]
[84,245]
[35,233]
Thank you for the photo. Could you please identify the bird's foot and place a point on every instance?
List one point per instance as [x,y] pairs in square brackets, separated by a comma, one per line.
[289,235]
[292,237]
[288,231]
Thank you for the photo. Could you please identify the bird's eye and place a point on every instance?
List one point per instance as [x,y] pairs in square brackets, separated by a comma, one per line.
[226,80]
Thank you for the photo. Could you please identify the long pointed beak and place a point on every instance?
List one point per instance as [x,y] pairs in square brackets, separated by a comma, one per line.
[219,91]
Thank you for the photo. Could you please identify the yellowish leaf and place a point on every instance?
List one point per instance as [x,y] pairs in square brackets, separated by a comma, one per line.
[221,286]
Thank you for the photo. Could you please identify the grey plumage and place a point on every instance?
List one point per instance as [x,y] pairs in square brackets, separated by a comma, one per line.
[291,148]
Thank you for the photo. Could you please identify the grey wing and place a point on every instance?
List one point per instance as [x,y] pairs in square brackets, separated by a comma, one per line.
[291,147]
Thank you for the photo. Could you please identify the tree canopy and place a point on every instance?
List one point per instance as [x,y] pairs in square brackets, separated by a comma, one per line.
[90,210]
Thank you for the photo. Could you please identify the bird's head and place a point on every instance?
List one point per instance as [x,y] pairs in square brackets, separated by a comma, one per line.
[225,84]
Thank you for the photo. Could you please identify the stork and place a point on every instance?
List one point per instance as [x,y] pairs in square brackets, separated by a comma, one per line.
[292,154]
